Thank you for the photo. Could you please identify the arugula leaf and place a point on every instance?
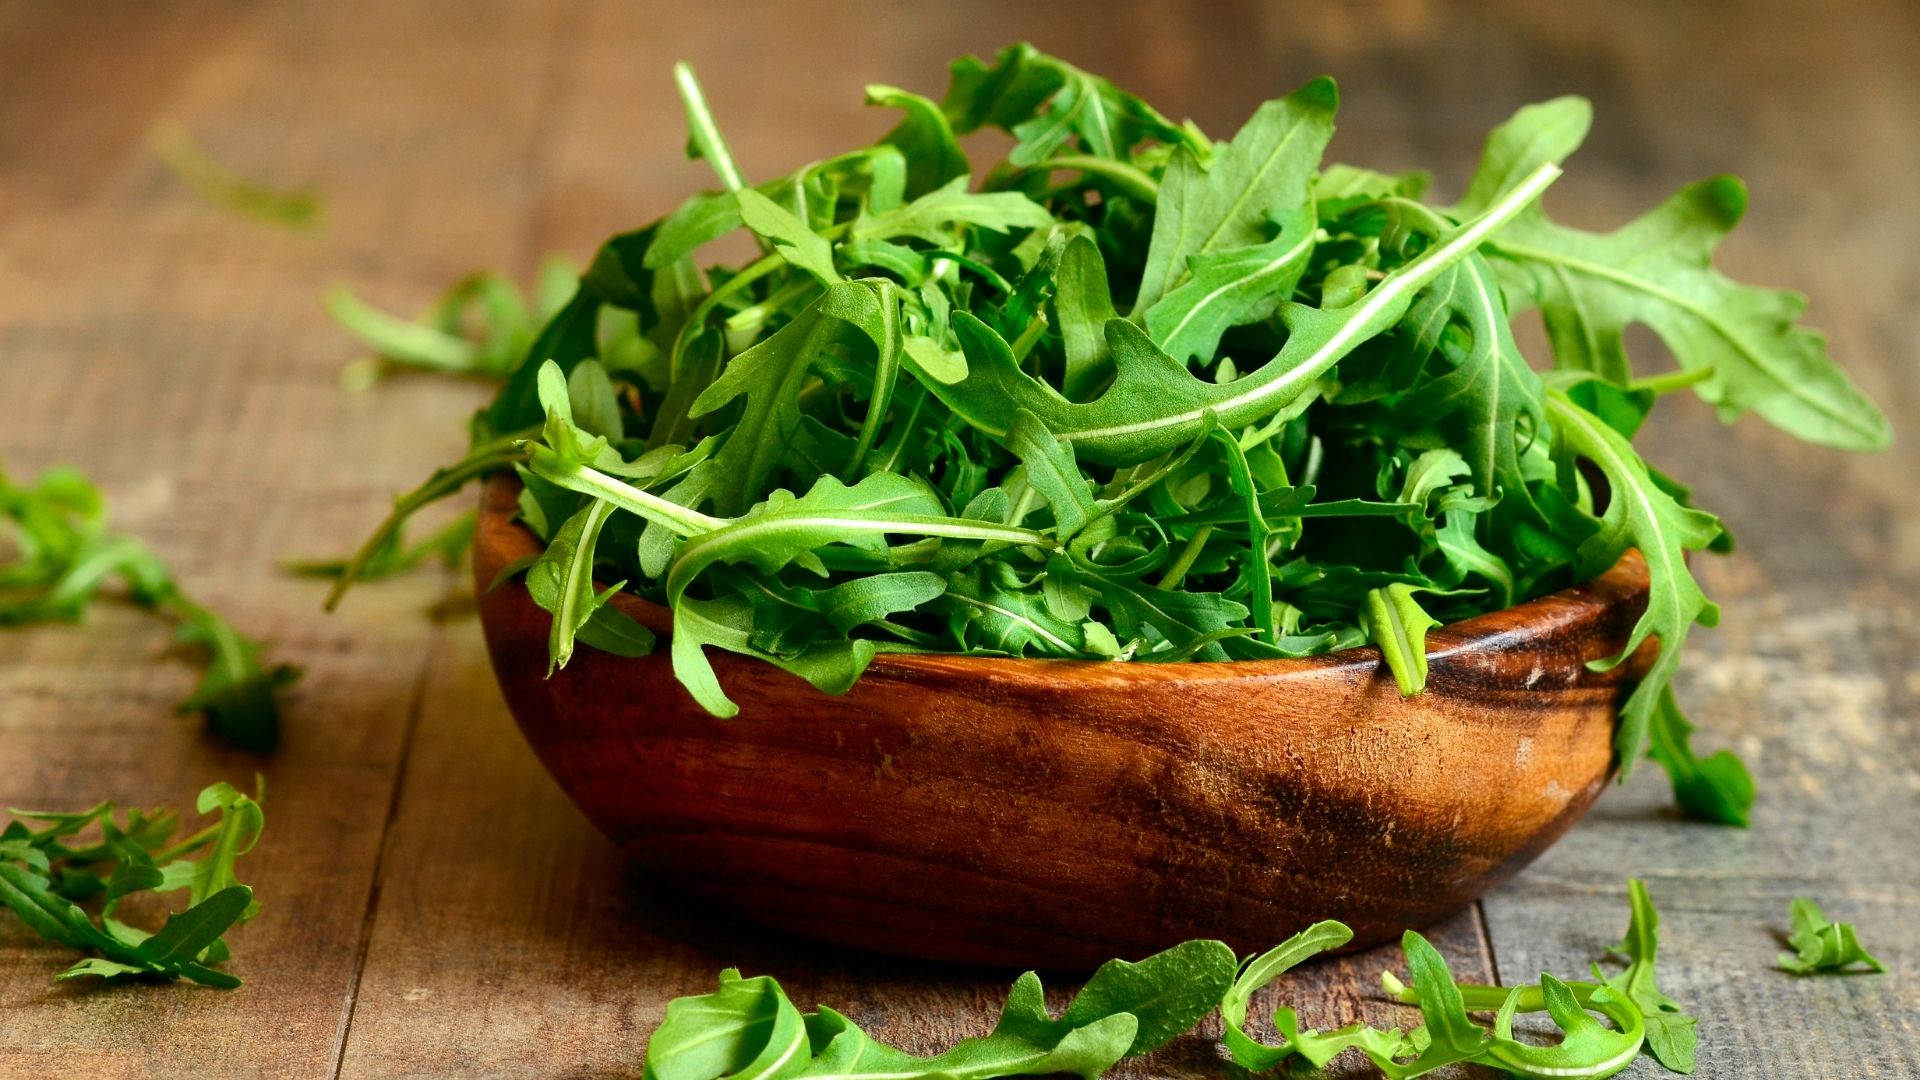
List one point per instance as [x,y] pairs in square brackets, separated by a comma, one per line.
[1670,1034]
[1823,947]
[747,1027]
[1046,103]
[57,556]
[1317,1048]
[1639,514]
[1155,406]
[1395,622]
[1658,270]
[801,246]
[1716,788]
[1263,176]
[291,209]
[42,876]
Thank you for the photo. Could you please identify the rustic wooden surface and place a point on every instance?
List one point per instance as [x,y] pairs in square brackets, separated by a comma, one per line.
[434,906]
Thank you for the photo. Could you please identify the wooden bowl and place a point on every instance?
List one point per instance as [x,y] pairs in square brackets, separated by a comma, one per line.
[1053,814]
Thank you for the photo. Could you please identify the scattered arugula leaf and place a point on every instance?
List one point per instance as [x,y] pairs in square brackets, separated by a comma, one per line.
[747,1027]
[1670,1035]
[57,554]
[480,326]
[291,209]
[47,873]
[1823,947]
[1131,394]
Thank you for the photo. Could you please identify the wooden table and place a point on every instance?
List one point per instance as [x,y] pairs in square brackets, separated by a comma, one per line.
[434,906]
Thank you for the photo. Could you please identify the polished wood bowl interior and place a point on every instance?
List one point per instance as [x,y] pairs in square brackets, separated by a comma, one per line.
[1054,814]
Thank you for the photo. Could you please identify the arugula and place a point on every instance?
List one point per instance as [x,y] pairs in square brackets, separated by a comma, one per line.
[47,873]
[748,1027]
[480,326]
[1823,947]
[291,209]
[1130,394]
[57,555]
[1670,1034]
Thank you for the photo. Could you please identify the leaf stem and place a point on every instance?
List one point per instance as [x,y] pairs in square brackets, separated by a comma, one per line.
[702,129]
[1187,555]
[681,520]
[1127,178]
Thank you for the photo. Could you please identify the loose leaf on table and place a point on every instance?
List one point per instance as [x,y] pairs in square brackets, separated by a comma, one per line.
[56,557]
[46,875]
[748,1027]
[1823,947]
[1670,1032]
[1316,1047]
[289,208]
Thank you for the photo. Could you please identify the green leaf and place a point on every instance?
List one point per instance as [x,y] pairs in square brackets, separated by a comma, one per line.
[703,133]
[1491,400]
[1154,406]
[1639,514]
[1316,1047]
[190,933]
[236,692]
[1823,947]
[1083,307]
[936,216]
[1167,993]
[1053,472]
[747,1027]
[1048,104]
[288,208]
[57,555]
[136,853]
[926,139]
[1716,788]
[1658,270]
[801,246]
[769,434]
[1670,1032]
[1263,177]
[563,577]
[1586,1049]
[1395,621]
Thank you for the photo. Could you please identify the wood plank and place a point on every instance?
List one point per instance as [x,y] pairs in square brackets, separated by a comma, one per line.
[181,356]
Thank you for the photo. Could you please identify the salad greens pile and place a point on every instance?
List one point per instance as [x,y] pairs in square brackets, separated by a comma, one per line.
[57,554]
[46,874]
[748,1027]
[1132,393]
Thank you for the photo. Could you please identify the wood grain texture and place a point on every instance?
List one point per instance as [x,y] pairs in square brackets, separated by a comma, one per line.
[1055,814]
[181,356]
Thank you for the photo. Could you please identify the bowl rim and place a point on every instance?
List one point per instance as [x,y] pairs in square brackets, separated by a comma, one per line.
[501,540]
